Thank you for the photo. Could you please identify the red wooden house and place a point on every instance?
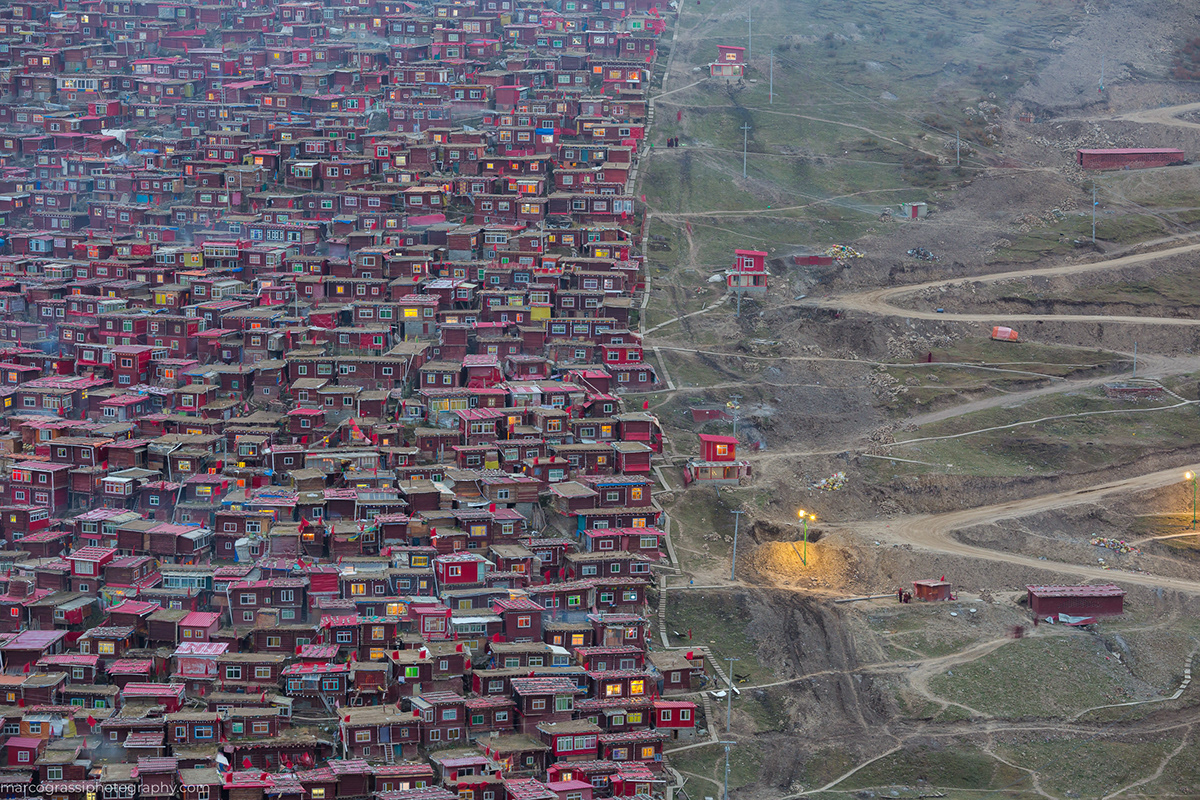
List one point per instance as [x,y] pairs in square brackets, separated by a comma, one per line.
[718,462]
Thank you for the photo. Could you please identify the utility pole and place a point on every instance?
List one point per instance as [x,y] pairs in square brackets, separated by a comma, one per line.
[729,704]
[771,85]
[734,406]
[749,35]
[1093,212]
[957,149]
[725,796]
[745,142]
[737,516]
[1135,361]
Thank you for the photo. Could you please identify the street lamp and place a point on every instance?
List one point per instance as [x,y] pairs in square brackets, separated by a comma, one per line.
[805,518]
[1191,476]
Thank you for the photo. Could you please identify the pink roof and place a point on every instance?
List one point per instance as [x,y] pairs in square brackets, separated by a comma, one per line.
[708,437]
[1101,590]
[24,741]
[91,553]
[135,607]
[200,619]
[201,648]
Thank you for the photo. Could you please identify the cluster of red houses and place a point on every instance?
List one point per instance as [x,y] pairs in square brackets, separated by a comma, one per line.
[317,475]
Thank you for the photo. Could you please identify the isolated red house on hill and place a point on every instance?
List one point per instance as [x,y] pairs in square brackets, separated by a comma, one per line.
[718,462]
[748,273]
[730,63]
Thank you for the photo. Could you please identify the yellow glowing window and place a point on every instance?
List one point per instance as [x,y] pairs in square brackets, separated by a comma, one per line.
[647,752]
[635,493]
[377,633]
[577,640]
[340,290]
[409,313]
[358,588]
[105,648]
[376,653]
[612,690]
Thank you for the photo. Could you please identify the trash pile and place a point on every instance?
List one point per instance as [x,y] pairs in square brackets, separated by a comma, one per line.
[922,253]
[843,252]
[1116,544]
[831,484]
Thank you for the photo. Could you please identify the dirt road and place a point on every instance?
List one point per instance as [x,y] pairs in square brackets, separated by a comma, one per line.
[935,531]
[1168,115]
[880,301]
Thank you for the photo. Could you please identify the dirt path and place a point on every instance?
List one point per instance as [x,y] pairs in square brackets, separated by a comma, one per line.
[1054,418]
[1013,398]
[1162,765]
[1183,685]
[989,749]
[919,678]
[720,301]
[935,531]
[1168,115]
[880,301]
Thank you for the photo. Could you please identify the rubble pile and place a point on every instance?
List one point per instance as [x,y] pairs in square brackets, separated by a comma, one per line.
[884,434]
[885,386]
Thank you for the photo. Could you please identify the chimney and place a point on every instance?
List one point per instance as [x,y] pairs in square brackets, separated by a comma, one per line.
[20,587]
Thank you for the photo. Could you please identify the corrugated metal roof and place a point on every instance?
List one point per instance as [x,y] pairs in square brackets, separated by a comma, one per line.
[1099,590]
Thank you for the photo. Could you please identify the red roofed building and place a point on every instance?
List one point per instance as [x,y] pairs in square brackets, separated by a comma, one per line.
[1103,600]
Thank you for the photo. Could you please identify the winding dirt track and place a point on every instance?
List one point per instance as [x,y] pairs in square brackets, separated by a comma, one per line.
[881,301]
[935,531]
[1164,116]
